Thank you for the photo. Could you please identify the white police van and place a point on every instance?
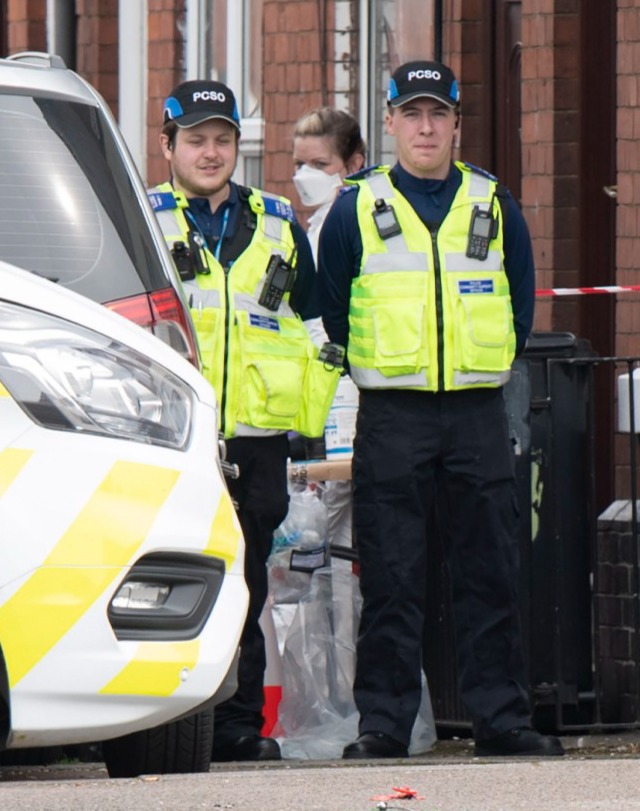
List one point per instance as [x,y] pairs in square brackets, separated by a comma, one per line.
[122,596]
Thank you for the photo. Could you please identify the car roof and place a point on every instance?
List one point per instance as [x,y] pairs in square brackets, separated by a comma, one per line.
[45,77]
[47,74]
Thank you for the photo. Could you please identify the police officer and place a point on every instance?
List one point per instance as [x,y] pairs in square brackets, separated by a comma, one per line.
[247,269]
[426,271]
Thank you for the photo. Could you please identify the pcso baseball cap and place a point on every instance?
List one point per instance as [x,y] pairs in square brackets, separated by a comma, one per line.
[196,101]
[416,79]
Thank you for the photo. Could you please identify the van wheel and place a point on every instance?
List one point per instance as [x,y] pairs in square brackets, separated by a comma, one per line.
[179,746]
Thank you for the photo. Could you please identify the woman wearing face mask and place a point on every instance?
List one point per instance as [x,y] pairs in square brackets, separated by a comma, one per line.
[327,146]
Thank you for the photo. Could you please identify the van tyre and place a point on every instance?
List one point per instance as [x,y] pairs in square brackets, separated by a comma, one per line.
[182,746]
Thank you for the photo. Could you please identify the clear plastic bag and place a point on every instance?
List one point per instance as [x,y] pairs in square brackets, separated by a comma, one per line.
[300,546]
[317,714]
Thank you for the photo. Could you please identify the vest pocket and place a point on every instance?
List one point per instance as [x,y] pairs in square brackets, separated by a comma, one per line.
[272,393]
[273,363]
[399,338]
[483,330]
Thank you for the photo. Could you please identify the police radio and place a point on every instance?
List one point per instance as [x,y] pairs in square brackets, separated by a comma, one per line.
[385,219]
[483,228]
[280,278]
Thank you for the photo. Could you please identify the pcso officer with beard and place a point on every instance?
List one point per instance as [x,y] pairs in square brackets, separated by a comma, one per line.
[426,274]
[248,273]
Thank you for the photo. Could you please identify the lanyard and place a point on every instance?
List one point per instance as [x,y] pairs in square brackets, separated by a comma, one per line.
[225,221]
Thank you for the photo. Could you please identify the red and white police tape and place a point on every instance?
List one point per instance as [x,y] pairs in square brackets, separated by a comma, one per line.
[581,291]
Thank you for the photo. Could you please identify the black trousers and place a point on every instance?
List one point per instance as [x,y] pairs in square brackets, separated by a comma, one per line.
[416,453]
[262,497]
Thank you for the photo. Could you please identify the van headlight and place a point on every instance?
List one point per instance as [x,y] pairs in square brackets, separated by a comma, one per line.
[69,378]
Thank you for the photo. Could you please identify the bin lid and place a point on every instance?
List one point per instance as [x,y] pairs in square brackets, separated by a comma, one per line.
[556,344]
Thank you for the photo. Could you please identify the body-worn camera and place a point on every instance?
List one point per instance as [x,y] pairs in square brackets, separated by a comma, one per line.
[189,259]
[182,260]
[483,228]
[280,278]
[385,219]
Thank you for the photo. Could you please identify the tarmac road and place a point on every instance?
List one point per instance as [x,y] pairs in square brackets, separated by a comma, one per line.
[599,773]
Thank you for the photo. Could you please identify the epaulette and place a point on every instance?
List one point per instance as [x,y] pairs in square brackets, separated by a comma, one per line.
[480,171]
[262,202]
[346,189]
[503,192]
[364,172]
[278,208]
[162,200]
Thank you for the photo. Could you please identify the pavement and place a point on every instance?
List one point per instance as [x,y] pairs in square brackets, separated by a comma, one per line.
[600,772]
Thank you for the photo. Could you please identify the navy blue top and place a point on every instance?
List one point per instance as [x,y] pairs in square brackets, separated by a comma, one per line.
[217,225]
[340,249]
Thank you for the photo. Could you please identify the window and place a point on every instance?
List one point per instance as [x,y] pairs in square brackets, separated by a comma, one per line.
[394,38]
[233,55]
[226,42]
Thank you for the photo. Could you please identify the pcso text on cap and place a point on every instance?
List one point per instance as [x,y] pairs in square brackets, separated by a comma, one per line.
[193,102]
[417,79]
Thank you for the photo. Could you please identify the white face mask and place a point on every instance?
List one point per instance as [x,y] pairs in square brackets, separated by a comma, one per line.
[314,186]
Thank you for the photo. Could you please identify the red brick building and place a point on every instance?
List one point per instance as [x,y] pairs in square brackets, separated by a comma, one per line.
[550,102]
[555,123]
[550,99]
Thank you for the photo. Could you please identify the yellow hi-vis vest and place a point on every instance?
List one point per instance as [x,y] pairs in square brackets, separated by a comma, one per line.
[423,315]
[262,364]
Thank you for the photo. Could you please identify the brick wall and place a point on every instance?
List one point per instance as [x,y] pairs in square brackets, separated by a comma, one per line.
[616,616]
[166,23]
[294,80]
[97,47]
[26,29]
[627,338]
[470,26]
[628,181]
[550,66]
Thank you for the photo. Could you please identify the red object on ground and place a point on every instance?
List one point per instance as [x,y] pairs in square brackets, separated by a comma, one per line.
[401,793]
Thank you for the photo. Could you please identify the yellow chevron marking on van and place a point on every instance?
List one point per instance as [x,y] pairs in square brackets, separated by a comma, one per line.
[87,559]
[155,669]
[12,460]
[225,532]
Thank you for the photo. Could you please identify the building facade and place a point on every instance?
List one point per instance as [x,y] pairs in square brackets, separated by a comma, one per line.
[550,102]
[551,105]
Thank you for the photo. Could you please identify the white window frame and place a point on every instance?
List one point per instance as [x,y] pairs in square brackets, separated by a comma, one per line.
[132,79]
[363,72]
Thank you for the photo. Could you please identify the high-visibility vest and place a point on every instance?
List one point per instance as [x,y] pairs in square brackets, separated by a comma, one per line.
[261,362]
[423,315]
